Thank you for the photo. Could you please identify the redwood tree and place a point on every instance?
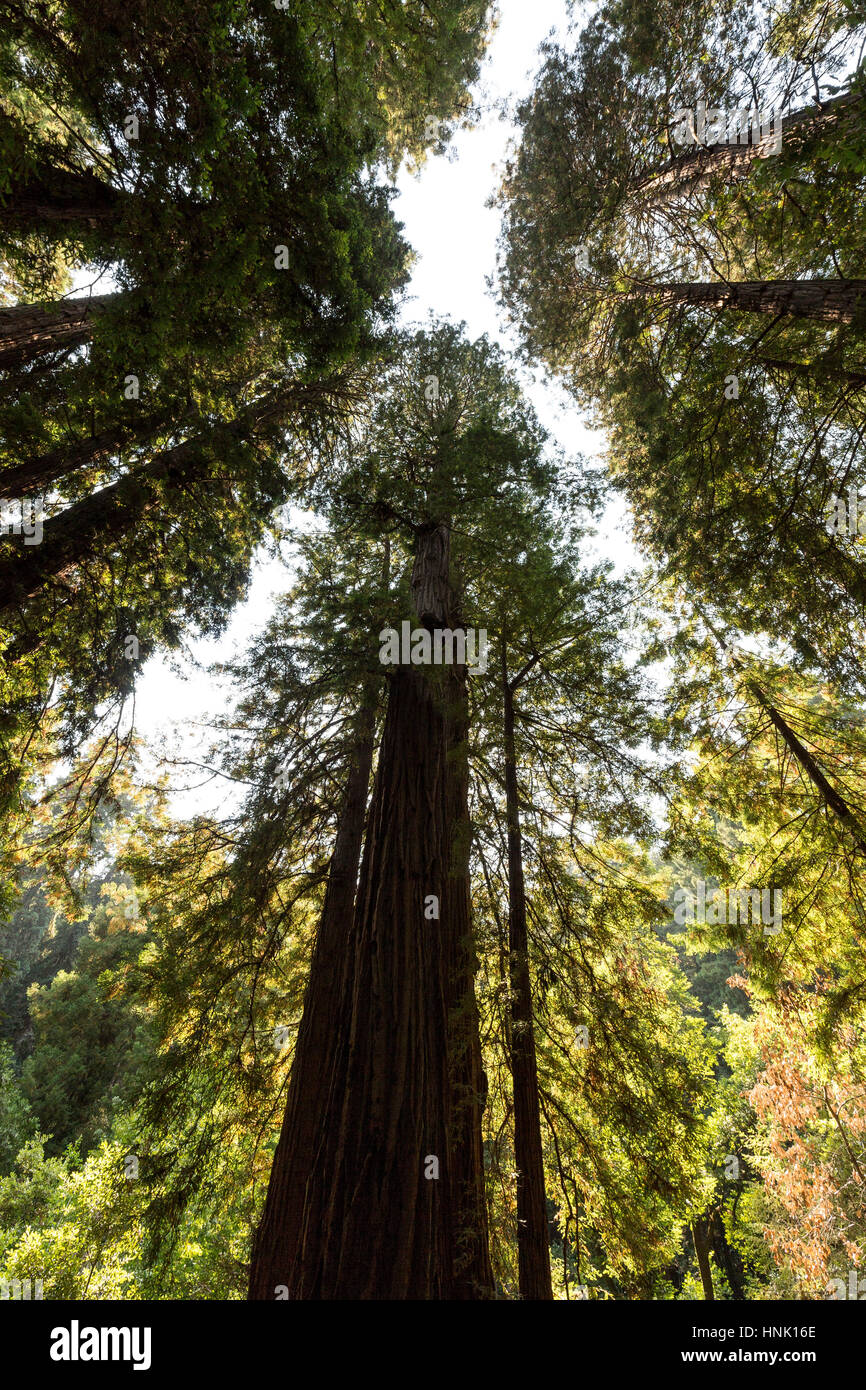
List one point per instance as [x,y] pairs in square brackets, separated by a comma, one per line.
[393,1204]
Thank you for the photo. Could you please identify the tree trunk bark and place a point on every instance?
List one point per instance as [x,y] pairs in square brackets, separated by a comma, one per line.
[320,1029]
[473,1275]
[56,199]
[374,1226]
[68,539]
[533,1249]
[389,1212]
[700,1236]
[727,1257]
[29,330]
[694,166]
[827,301]
[30,477]
[111,512]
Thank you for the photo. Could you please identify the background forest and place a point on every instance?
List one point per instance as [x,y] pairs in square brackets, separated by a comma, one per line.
[538,978]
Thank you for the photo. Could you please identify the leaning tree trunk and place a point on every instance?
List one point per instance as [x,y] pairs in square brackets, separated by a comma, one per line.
[59,202]
[30,477]
[320,1028]
[821,371]
[100,520]
[828,301]
[692,167]
[533,1249]
[391,1207]
[27,331]
[833,798]
[104,518]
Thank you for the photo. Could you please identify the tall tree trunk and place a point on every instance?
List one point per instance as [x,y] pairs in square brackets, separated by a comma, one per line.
[318,1034]
[533,1250]
[59,200]
[30,477]
[700,1236]
[374,1226]
[473,1275]
[386,1204]
[828,301]
[29,330]
[109,514]
[695,165]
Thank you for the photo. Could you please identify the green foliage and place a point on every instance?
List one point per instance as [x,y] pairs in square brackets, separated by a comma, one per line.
[696,1078]
[17,1123]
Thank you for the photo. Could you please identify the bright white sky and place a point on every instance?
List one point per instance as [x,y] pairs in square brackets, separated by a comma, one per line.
[446,221]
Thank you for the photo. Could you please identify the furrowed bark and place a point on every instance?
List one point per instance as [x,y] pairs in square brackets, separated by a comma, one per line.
[393,1206]
[59,201]
[695,165]
[437,605]
[29,330]
[28,478]
[281,1223]
[374,1227]
[533,1250]
[827,301]
[473,1274]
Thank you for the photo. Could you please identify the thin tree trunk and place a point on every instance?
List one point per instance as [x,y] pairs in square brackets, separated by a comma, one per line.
[700,1236]
[815,371]
[832,798]
[827,301]
[533,1250]
[29,330]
